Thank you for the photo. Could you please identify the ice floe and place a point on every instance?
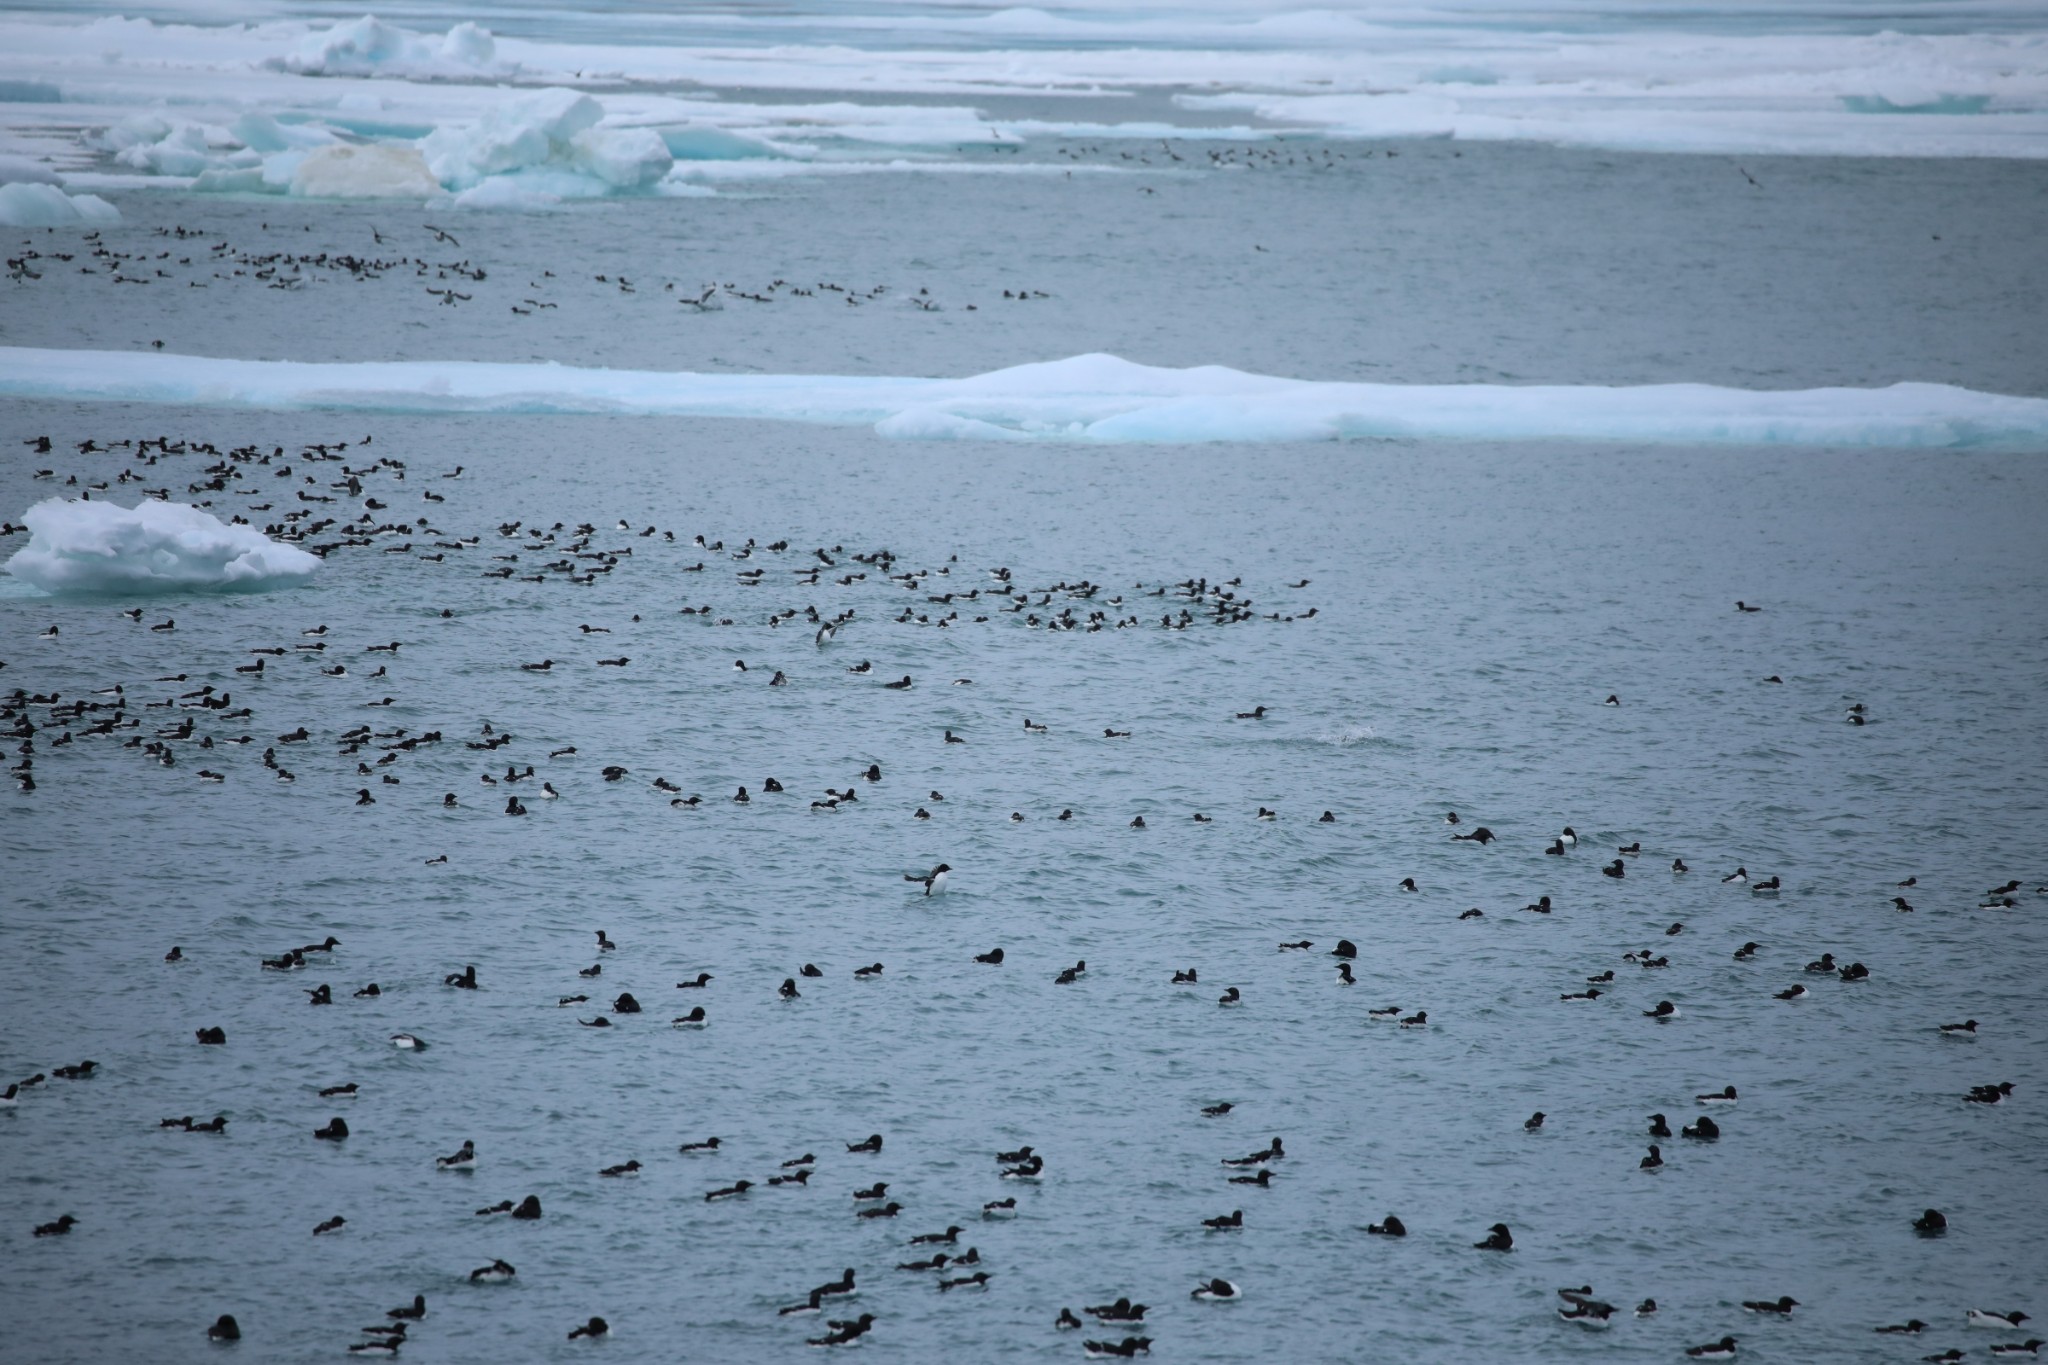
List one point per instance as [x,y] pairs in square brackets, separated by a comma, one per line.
[369,46]
[44,205]
[552,133]
[1090,398]
[100,547]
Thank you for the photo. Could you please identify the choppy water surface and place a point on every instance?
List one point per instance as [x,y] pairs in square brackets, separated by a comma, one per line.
[1473,606]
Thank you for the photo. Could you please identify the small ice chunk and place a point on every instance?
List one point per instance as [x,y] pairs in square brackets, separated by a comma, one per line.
[528,131]
[357,45]
[135,130]
[42,205]
[266,134]
[370,47]
[87,547]
[467,44]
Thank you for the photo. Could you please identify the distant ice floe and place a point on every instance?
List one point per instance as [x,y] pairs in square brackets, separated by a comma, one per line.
[44,205]
[98,547]
[370,47]
[1090,398]
[234,106]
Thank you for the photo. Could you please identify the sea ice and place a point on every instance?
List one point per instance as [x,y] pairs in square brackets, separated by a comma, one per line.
[370,47]
[1098,398]
[549,130]
[1821,78]
[89,547]
[44,205]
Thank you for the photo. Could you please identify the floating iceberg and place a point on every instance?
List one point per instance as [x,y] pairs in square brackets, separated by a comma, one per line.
[547,131]
[99,547]
[370,47]
[40,205]
[1098,398]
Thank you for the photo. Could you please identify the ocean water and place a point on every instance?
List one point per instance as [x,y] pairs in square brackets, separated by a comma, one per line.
[1473,603]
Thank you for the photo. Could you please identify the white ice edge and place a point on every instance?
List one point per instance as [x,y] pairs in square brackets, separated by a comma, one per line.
[1088,398]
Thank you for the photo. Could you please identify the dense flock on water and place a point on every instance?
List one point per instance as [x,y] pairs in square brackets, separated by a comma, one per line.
[1180,679]
[818,621]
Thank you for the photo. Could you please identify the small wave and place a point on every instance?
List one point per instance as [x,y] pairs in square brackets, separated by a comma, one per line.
[1350,735]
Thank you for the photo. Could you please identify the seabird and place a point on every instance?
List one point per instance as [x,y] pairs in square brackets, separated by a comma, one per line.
[932,881]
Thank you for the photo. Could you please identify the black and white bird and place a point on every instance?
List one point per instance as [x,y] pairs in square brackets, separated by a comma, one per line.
[933,881]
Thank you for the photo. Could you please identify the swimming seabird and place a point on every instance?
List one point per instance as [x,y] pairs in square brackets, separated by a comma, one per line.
[932,881]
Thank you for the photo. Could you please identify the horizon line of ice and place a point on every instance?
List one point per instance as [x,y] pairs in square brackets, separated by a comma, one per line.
[1087,398]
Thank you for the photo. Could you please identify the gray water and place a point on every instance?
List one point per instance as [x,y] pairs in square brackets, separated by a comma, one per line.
[1420,262]
[1474,605]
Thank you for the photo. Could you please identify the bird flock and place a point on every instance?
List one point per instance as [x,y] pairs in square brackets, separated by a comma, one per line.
[804,615]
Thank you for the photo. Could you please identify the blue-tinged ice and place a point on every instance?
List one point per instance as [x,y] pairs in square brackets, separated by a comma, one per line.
[41,205]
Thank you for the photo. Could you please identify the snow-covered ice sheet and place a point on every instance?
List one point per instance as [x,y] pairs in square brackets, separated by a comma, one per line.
[77,546]
[1098,398]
